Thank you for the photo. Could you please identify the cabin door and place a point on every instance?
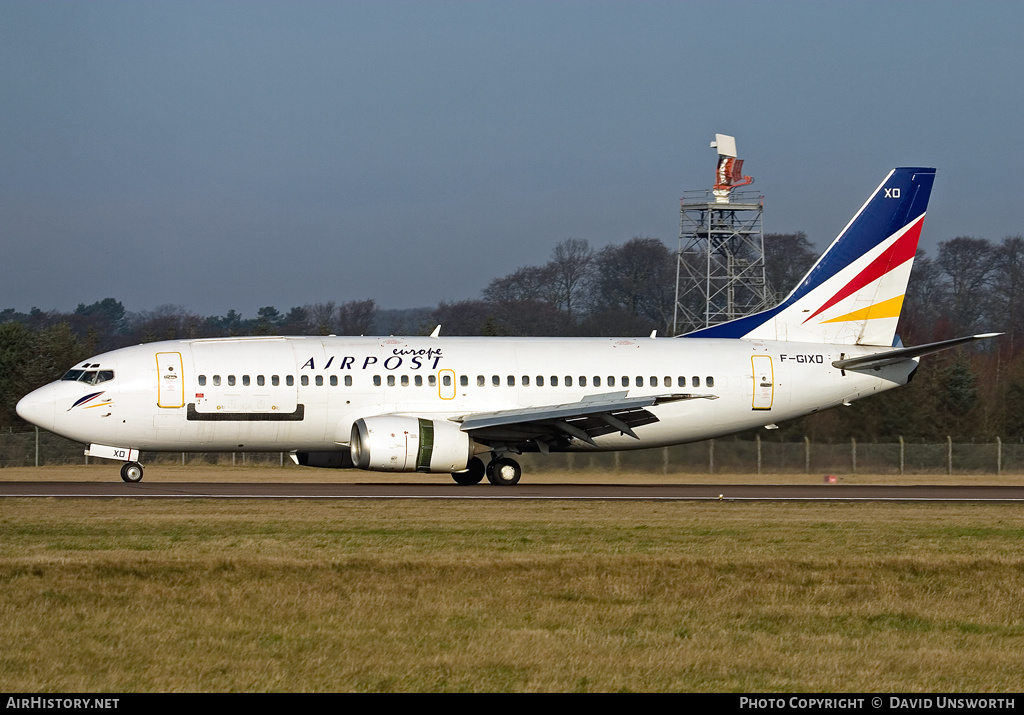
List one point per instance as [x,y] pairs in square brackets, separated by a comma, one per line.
[764,382]
[171,387]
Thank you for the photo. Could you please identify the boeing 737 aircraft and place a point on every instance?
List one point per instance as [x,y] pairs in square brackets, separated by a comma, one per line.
[444,405]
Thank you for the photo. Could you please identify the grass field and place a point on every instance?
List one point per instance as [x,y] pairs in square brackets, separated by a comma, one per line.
[124,596]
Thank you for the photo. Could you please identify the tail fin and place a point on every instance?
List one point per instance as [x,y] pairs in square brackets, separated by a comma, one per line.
[854,293]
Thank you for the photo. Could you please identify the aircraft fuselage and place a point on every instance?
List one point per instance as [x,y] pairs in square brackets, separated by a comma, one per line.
[305,393]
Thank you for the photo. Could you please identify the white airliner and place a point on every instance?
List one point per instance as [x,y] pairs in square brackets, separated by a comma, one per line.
[439,404]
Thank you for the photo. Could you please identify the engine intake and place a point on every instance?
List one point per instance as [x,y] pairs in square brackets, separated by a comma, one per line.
[395,443]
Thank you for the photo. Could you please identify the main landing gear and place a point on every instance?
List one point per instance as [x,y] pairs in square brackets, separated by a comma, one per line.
[131,472]
[500,471]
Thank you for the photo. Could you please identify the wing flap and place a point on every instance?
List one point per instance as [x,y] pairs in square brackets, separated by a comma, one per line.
[591,417]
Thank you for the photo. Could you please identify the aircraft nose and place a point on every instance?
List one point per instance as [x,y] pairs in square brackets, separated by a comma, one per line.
[38,407]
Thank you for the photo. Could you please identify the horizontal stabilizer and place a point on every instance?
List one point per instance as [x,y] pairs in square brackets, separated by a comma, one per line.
[890,357]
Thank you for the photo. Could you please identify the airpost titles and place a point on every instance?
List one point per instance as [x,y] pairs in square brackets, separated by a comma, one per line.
[407,358]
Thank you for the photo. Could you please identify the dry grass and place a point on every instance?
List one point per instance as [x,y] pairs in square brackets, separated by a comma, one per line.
[122,596]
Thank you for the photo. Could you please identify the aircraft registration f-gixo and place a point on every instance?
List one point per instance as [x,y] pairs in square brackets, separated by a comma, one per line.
[447,404]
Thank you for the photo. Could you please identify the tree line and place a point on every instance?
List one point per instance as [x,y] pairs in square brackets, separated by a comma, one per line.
[972,285]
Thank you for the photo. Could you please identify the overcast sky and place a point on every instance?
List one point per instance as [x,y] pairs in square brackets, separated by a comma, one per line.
[232,155]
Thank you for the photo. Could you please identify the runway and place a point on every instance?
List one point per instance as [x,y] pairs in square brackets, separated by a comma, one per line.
[553,492]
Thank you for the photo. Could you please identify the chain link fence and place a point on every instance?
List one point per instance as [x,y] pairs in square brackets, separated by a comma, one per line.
[721,456]
[41,448]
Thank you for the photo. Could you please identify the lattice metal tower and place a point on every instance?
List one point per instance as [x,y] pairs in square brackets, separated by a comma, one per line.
[720,270]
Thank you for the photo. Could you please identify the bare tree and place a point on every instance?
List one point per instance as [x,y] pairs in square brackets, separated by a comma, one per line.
[570,267]
[323,317]
[533,283]
[968,265]
[1008,289]
[787,258]
[638,278]
[356,317]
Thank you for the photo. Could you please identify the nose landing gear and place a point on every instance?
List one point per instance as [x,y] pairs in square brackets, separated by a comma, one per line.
[131,472]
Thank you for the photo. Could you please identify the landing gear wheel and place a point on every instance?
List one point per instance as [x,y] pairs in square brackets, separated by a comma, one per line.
[504,472]
[131,472]
[473,474]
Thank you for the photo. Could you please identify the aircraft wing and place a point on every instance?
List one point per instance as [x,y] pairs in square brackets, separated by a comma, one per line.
[553,425]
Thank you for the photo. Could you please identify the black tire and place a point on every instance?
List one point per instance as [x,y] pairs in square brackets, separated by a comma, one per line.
[473,475]
[131,472]
[504,472]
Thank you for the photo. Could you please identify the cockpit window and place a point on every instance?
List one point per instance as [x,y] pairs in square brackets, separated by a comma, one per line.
[91,377]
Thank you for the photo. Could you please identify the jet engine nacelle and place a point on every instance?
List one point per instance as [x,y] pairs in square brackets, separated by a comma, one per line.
[395,443]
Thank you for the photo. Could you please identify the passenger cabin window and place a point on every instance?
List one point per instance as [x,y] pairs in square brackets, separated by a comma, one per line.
[216,380]
[348,381]
[376,380]
[597,381]
[391,380]
[319,380]
[540,381]
[231,380]
[568,380]
[245,380]
[526,381]
[275,380]
[554,380]
[334,380]
[290,380]
[304,380]
[495,380]
[583,381]
[464,380]
[202,380]
[696,381]
[709,381]
[418,380]
[446,380]
[432,380]
[480,381]
[511,380]
[260,380]
[405,380]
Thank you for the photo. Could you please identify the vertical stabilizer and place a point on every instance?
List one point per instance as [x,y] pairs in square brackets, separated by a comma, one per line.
[854,293]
